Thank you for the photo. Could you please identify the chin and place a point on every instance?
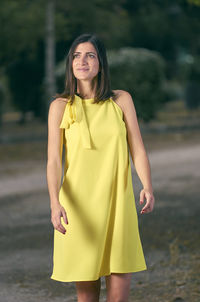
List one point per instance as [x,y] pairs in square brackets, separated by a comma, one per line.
[83,78]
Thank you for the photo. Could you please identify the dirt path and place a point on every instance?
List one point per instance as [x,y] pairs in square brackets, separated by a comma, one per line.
[169,234]
[20,177]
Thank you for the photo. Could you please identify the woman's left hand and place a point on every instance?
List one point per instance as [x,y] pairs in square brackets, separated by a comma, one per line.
[148,195]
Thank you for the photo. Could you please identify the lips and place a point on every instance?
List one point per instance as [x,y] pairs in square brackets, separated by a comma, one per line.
[82,69]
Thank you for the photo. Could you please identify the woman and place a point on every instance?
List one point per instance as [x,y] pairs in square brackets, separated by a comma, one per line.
[93,212]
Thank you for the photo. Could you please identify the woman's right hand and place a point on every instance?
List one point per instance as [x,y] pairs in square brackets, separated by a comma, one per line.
[57,211]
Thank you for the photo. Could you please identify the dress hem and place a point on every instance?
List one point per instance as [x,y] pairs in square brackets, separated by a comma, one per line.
[96,278]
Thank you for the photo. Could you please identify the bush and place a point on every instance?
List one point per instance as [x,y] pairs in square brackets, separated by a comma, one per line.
[192,89]
[141,73]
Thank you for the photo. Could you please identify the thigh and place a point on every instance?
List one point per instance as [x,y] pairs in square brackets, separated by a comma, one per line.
[88,291]
[118,286]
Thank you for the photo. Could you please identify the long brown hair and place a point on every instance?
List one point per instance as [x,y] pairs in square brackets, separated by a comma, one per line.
[103,90]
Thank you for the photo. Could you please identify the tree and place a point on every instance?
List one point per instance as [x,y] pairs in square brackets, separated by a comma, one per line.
[50,81]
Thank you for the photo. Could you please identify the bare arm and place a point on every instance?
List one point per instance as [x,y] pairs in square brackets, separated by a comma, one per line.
[137,150]
[54,162]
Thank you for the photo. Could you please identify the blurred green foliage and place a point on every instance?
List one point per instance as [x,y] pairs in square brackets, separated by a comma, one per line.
[170,28]
[142,73]
[192,90]
[195,2]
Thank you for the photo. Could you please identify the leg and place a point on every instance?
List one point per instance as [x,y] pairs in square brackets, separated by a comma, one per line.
[118,287]
[88,291]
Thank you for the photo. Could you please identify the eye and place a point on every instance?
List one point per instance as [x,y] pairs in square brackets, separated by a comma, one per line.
[75,55]
[91,55]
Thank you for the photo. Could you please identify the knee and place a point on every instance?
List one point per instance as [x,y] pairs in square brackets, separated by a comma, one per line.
[85,297]
[88,291]
[88,299]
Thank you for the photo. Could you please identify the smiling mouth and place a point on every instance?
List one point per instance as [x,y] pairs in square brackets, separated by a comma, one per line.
[82,69]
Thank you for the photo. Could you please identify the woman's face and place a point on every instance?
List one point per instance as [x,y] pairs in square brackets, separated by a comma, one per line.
[85,64]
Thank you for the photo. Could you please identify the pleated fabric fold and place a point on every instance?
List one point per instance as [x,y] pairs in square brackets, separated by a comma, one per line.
[74,113]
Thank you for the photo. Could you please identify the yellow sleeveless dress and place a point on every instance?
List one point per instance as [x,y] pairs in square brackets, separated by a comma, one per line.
[102,236]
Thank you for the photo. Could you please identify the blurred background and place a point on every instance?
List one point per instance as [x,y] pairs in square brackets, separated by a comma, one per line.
[153,51]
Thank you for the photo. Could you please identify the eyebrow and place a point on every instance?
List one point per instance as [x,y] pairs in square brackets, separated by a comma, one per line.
[86,52]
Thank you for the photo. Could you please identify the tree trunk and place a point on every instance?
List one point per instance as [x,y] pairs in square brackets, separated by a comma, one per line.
[50,80]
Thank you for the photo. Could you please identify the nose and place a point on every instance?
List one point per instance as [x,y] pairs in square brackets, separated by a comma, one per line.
[83,59]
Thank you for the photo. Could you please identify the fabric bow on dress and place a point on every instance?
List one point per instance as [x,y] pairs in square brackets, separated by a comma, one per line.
[75,114]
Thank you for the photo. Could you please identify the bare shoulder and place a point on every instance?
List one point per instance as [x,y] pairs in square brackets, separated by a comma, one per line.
[56,109]
[58,103]
[124,99]
[119,93]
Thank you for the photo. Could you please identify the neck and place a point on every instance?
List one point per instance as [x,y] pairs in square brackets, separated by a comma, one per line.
[86,89]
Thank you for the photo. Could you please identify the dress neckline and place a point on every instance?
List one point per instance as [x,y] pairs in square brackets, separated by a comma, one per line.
[87,101]
[91,100]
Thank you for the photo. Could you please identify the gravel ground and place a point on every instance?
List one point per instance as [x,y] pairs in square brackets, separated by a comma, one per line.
[170,234]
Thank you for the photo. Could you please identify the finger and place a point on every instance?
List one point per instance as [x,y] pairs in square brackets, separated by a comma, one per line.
[61,229]
[146,206]
[64,216]
[141,197]
[58,225]
[146,209]
[143,211]
[148,199]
